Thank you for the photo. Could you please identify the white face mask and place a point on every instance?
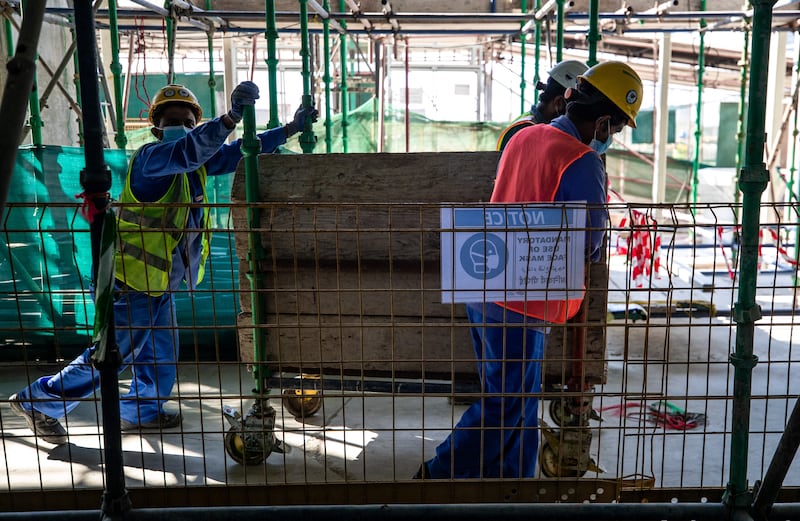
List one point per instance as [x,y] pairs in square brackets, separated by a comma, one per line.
[601,146]
[169,134]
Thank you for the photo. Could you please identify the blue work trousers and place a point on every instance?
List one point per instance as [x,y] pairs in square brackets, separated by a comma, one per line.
[147,338]
[497,436]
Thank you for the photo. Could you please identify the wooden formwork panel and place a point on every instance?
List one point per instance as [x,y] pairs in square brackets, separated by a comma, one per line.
[357,344]
[351,272]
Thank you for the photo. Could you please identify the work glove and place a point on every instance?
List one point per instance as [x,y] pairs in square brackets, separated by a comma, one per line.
[298,123]
[246,93]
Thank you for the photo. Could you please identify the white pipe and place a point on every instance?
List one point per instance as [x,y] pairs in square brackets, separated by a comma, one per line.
[325,15]
[661,8]
[196,11]
[389,12]
[165,13]
[318,8]
[661,114]
[545,10]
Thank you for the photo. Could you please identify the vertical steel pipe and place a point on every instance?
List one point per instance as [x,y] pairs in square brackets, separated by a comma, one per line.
[698,131]
[96,183]
[326,60]
[559,30]
[171,28]
[343,44]
[251,147]
[35,120]
[21,72]
[77,83]
[745,67]
[307,138]
[537,46]
[594,32]
[272,64]
[212,80]
[407,101]
[522,84]
[753,180]
[116,69]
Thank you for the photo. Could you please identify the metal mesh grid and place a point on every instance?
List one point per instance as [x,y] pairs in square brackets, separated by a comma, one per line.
[355,327]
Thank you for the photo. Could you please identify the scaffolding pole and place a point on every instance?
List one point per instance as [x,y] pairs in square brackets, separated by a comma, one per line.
[594,34]
[272,64]
[307,138]
[343,44]
[21,73]
[753,181]
[523,35]
[698,130]
[326,78]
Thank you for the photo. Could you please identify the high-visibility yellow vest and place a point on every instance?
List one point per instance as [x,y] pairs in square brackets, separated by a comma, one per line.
[148,233]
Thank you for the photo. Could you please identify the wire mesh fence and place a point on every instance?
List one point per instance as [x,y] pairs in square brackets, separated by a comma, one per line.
[361,370]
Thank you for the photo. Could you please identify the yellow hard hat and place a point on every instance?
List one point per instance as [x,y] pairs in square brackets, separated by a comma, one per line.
[174,93]
[619,83]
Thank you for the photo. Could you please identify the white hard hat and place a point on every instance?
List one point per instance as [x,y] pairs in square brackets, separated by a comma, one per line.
[566,73]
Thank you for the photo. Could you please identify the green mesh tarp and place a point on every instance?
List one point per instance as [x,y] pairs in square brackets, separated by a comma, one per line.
[45,257]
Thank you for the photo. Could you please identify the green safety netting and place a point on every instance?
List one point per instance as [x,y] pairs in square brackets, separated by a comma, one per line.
[45,258]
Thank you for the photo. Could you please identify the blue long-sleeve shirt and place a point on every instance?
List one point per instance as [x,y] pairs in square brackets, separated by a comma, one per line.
[585,180]
[155,165]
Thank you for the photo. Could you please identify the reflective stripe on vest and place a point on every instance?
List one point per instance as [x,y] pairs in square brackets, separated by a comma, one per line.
[530,171]
[511,130]
[148,233]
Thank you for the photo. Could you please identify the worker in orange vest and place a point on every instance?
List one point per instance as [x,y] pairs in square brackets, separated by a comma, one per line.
[497,436]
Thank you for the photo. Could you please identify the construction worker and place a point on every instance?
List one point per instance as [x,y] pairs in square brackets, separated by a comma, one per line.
[563,76]
[163,243]
[497,436]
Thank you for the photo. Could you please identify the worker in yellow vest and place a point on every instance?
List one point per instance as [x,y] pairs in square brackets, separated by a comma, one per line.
[163,243]
[563,76]
[497,436]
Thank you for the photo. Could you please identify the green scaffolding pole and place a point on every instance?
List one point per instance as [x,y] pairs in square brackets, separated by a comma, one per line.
[559,30]
[537,46]
[793,170]
[326,59]
[35,120]
[753,180]
[9,37]
[522,38]
[740,124]
[307,138]
[698,131]
[170,25]
[594,34]
[76,80]
[251,146]
[212,81]
[116,69]
[343,44]
[272,64]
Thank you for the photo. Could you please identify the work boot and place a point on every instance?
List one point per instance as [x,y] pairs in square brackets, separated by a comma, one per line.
[46,428]
[162,421]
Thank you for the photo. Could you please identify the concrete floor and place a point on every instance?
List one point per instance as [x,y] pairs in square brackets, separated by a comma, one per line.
[367,437]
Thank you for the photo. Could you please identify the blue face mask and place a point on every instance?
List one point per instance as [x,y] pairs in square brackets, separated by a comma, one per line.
[601,146]
[170,134]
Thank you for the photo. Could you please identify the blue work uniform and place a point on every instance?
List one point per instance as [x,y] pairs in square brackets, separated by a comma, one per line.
[497,436]
[145,325]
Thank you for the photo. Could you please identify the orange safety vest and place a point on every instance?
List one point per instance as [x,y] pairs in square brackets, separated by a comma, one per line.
[530,171]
